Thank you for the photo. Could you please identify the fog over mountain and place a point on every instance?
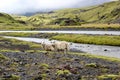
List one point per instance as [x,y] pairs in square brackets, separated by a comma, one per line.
[29,6]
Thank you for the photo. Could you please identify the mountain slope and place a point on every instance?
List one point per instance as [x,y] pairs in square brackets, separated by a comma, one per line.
[8,19]
[5,18]
[108,12]
[105,13]
[7,22]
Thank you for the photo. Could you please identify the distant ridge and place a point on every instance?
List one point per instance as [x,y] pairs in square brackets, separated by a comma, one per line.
[104,13]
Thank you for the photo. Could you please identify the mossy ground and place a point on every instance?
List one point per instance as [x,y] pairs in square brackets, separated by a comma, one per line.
[50,65]
[34,65]
[76,38]
[13,45]
[90,39]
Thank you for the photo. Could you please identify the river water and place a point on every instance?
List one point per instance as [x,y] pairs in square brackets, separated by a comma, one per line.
[73,32]
[109,51]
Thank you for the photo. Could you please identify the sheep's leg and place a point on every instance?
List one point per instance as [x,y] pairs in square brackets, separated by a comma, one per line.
[65,53]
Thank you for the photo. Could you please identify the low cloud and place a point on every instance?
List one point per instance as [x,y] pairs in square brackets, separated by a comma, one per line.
[23,6]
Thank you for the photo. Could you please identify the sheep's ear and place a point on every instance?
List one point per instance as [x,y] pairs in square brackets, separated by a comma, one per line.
[71,43]
[52,41]
[53,45]
[43,42]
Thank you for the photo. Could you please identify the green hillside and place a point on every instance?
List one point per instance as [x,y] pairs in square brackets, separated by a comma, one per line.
[8,22]
[5,18]
[8,19]
[108,12]
[95,17]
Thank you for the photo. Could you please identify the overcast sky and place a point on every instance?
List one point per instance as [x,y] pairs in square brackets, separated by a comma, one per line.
[23,6]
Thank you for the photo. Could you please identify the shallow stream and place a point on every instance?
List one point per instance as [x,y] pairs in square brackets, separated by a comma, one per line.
[103,50]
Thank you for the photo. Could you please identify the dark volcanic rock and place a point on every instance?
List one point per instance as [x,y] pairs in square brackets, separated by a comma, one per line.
[28,66]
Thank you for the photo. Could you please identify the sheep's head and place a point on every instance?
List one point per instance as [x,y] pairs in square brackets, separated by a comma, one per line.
[43,44]
[53,45]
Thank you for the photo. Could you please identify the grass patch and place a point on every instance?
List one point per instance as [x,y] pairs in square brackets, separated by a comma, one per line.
[33,34]
[90,39]
[77,38]
[101,26]
[91,65]
[13,45]
[17,34]
[8,50]
[2,57]
[109,77]
[96,56]
[12,77]
[63,72]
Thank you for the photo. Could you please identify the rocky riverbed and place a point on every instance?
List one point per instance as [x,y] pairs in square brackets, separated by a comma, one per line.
[20,60]
[55,66]
[103,50]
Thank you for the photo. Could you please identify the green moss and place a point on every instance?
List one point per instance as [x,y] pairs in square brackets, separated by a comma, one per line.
[91,65]
[109,76]
[12,77]
[2,57]
[35,46]
[63,72]
[14,64]
[44,65]
[104,70]
[9,50]
[96,56]
[43,76]
[60,72]
[67,72]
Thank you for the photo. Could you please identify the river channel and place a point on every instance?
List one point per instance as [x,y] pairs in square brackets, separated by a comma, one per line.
[103,50]
[73,32]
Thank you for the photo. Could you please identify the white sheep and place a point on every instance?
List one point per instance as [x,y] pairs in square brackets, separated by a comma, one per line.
[61,46]
[47,47]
